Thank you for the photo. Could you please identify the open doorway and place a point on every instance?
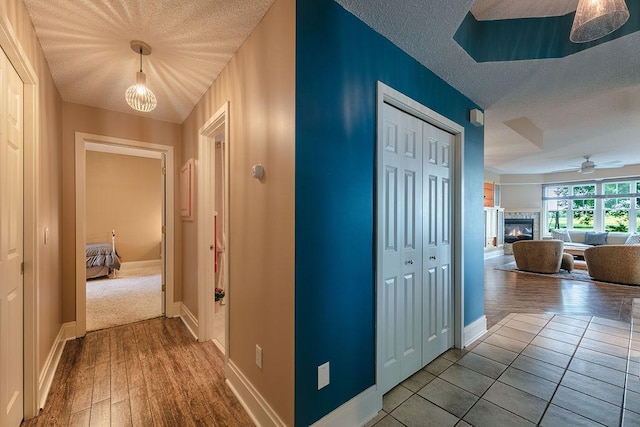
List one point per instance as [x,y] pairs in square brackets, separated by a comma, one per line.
[213,230]
[153,269]
[220,276]
[124,196]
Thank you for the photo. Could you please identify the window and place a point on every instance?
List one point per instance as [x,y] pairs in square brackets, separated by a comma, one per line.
[601,206]
[557,208]
[616,209]
[582,209]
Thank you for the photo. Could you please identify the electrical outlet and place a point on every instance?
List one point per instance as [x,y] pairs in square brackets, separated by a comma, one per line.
[259,356]
[323,375]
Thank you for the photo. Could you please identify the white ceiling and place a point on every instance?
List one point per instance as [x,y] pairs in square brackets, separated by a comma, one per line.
[586,103]
[540,115]
[86,43]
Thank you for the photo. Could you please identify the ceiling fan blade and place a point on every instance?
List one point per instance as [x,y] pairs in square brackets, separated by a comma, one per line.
[610,165]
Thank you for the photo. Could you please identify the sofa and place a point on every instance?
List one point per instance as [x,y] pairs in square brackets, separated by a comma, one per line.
[578,238]
[614,263]
[541,256]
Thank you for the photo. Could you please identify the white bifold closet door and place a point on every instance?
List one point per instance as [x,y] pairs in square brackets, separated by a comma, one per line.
[415,296]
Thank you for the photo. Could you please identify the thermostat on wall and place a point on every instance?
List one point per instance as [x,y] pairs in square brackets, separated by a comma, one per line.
[257,171]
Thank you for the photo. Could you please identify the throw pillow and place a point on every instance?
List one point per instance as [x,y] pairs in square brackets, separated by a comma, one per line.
[595,238]
[561,235]
[633,239]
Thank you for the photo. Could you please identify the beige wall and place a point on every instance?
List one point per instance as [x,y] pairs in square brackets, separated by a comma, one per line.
[259,83]
[525,196]
[81,118]
[48,276]
[124,193]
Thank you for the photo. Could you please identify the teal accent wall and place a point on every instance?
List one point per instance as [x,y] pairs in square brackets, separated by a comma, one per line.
[531,38]
[339,59]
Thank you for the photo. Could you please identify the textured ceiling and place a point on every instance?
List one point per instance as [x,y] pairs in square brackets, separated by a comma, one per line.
[587,103]
[86,43]
[540,115]
[488,10]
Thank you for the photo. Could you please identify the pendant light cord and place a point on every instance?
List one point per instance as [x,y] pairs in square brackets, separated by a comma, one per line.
[140,58]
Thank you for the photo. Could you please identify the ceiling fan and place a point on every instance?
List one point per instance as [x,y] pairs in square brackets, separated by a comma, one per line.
[588,166]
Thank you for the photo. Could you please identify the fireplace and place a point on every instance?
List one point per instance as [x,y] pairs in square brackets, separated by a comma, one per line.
[518,229]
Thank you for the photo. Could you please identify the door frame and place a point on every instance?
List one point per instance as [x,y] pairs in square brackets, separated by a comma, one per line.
[386,94]
[205,172]
[123,146]
[18,58]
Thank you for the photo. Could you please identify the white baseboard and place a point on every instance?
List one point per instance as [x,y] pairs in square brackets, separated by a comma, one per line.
[67,332]
[140,264]
[190,321]
[173,309]
[475,330]
[356,412]
[256,406]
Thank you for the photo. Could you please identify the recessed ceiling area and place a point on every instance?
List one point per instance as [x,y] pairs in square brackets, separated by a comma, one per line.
[583,104]
[490,10]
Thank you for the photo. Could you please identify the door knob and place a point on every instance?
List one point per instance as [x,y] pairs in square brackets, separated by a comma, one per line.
[432,257]
[410,262]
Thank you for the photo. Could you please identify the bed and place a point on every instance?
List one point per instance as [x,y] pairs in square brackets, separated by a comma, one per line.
[102,258]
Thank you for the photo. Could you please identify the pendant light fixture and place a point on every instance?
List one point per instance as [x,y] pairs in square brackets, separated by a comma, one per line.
[597,18]
[138,96]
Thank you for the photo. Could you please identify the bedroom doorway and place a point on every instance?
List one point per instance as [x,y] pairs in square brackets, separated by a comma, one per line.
[143,286]
[213,230]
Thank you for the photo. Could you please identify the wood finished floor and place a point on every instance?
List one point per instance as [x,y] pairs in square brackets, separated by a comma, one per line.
[151,373]
[154,373]
[511,292]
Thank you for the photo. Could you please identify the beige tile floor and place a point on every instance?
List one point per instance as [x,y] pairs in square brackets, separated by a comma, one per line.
[529,369]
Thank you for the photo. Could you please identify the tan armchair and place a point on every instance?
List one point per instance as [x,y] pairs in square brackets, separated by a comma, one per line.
[538,256]
[614,263]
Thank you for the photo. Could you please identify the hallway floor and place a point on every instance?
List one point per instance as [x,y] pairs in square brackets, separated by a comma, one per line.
[151,373]
[529,369]
[562,363]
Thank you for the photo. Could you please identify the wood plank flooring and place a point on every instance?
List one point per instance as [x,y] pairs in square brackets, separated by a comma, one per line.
[154,373]
[151,373]
[511,292]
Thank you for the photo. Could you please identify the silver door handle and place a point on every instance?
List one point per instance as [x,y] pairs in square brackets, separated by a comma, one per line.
[410,262]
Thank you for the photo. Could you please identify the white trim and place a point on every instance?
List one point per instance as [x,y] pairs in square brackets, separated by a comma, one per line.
[189,320]
[356,412]
[475,330]
[386,94]
[67,332]
[18,58]
[204,178]
[82,140]
[251,400]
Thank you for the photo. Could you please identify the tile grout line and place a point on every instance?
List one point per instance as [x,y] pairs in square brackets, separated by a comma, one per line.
[565,372]
[628,365]
[509,365]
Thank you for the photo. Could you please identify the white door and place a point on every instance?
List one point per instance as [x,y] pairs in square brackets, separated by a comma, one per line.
[437,303]
[414,215]
[11,283]
[400,290]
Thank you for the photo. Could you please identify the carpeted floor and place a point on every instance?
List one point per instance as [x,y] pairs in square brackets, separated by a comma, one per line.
[134,295]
